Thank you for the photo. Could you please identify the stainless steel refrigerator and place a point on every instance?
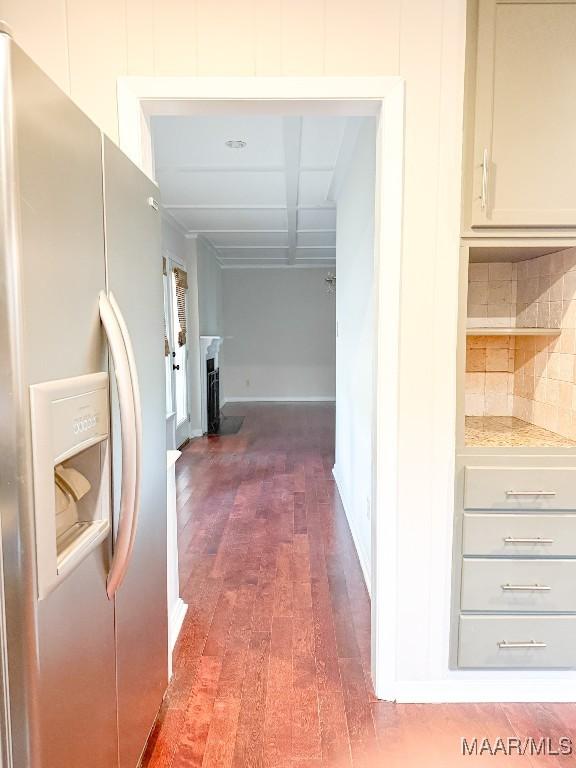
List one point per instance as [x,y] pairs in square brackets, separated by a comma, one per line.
[83,628]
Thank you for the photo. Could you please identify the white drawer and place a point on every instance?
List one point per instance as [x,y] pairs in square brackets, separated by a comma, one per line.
[518,585]
[520,535]
[520,488]
[516,642]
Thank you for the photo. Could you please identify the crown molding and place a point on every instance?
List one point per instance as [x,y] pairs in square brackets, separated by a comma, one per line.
[331,266]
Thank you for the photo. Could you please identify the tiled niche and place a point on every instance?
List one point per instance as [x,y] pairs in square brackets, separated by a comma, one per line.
[530,377]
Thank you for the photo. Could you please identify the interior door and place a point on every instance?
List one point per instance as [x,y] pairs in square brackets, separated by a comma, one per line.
[178,359]
[134,277]
[524,149]
[168,362]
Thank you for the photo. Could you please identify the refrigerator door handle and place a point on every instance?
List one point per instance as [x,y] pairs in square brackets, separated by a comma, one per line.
[137,416]
[131,428]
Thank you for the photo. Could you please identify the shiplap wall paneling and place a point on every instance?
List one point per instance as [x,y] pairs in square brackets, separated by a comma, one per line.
[97,54]
[41,29]
[364,42]
[139,37]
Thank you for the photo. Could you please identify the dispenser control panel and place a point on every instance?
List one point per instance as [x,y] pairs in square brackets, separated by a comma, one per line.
[81,418]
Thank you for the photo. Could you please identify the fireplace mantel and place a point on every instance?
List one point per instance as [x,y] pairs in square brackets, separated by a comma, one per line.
[209,348]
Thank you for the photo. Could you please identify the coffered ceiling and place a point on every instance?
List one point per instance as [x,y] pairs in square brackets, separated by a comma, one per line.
[271,202]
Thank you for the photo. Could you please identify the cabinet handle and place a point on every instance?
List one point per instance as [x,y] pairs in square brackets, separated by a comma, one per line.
[526,644]
[530,493]
[535,540]
[525,588]
[484,196]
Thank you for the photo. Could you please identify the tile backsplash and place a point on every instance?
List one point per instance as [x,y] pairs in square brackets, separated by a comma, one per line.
[530,377]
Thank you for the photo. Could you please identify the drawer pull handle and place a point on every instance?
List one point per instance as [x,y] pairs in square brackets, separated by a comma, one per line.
[530,493]
[526,588]
[527,644]
[535,540]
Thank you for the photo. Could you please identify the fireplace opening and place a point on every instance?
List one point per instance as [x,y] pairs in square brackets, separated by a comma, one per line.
[213,399]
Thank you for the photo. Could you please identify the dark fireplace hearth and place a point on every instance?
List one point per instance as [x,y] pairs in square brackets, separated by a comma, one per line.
[213,400]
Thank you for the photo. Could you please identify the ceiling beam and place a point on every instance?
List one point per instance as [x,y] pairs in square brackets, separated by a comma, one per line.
[292,133]
[252,247]
[275,247]
[208,232]
[248,231]
[222,207]
[240,207]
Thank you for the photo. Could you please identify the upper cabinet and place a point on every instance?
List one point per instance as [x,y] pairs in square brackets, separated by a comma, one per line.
[524,144]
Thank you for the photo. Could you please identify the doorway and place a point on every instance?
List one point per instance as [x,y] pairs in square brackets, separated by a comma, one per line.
[382,98]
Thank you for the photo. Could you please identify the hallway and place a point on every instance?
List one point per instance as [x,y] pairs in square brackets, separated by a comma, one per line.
[272,665]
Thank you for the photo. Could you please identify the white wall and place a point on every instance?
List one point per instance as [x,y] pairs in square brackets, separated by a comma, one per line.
[210,313]
[421,40]
[173,240]
[355,341]
[279,328]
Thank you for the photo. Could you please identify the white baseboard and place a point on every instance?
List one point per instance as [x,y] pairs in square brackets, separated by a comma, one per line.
[311,399]
[195,433]
[353,531]
[485,691]
[177,616]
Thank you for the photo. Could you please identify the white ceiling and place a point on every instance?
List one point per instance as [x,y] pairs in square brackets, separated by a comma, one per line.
[271,202]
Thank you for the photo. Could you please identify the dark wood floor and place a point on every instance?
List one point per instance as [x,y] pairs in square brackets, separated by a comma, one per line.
[272,665]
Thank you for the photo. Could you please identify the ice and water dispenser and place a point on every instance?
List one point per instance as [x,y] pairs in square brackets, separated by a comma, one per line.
[71,461]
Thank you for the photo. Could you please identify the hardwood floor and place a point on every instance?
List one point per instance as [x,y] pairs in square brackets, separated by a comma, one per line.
[272,665]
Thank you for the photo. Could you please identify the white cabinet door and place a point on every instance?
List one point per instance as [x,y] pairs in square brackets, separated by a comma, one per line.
[525,122]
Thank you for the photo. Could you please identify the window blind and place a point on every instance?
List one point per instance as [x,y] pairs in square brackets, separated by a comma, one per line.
[181,280]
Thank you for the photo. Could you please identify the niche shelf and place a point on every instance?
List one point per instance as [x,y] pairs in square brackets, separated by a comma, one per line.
[500,331]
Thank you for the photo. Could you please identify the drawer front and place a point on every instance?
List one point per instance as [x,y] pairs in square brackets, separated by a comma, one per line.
[518,585]
[518,488]
[519,535]
[527,642]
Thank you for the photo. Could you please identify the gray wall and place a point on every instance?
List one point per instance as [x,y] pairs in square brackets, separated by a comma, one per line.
[280,334]
[210,314]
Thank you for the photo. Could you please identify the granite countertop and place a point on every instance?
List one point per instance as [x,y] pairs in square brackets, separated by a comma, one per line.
[507,431]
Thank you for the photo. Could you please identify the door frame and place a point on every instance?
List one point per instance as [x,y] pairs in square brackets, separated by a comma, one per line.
[140,98]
